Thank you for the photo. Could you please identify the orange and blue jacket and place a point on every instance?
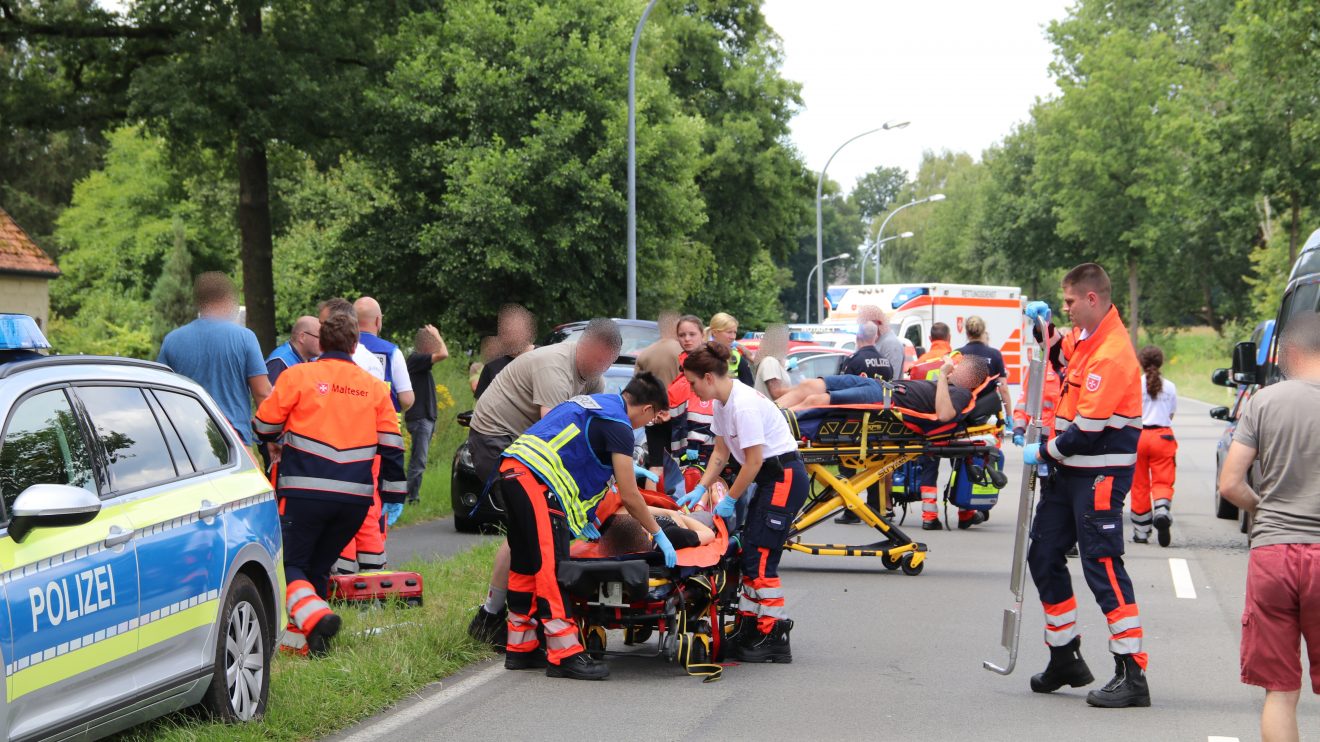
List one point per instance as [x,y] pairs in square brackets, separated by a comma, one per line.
[335,419]
[1097,422]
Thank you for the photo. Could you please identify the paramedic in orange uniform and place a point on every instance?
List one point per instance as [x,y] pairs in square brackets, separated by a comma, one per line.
[1156,453]
[1091,456]
[334,419]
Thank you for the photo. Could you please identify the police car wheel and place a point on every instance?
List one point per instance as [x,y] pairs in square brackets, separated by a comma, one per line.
[240,683]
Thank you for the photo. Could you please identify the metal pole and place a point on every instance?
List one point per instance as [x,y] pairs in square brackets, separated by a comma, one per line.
[879,236]
[806,314]
[820,184]
[632,162]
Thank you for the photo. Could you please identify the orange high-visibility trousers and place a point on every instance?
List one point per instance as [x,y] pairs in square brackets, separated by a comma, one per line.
[1152,482]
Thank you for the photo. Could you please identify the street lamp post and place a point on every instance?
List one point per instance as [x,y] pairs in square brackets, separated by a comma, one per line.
[806,314]
[632,162]
[820,185]
[880,235]
[875,247]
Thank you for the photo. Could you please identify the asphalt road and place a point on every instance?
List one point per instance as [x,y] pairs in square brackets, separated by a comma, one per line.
[880,654]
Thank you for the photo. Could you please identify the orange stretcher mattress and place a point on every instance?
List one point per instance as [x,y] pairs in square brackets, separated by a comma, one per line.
[706,555]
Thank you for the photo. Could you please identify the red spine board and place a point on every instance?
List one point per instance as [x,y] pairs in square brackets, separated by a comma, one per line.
[377,587]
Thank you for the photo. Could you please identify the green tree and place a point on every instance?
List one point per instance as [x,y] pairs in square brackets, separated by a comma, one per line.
[171,297]
[876,192]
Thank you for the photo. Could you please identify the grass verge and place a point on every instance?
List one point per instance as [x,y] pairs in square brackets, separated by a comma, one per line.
[381,656]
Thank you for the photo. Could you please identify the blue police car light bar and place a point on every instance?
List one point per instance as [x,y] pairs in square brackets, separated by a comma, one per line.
[800,337]
[20,332]
[908,294]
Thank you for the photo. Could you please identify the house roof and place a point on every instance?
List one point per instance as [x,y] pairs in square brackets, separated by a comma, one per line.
[19,254]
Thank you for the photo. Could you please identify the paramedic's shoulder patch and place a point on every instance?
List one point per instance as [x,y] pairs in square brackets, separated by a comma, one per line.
[1093,382]
[586,402]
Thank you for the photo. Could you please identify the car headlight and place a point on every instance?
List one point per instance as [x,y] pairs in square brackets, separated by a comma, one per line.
[465,457]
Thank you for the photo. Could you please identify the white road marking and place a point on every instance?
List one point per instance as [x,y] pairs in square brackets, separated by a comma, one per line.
[1182,579]
[1221,739]
[385,726]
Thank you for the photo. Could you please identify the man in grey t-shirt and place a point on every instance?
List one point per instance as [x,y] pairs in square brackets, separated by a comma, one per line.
[889,345]
[1278,432]
[533,384]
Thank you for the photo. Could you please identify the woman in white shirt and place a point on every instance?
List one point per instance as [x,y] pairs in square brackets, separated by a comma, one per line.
[771,374]
[754,431]
[1156,452]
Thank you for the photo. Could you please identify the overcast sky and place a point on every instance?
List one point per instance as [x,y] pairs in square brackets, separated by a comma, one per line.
[962,71]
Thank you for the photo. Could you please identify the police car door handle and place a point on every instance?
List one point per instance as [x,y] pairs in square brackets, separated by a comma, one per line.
[209,510]
[117,537]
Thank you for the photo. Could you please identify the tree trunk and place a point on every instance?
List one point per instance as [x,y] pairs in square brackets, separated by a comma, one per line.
[254,219]
[1210,315]
[1134,301]
[1294,230]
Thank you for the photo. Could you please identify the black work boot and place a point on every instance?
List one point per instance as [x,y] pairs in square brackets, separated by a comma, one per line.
[533,660]
[1127,687]
[978,517]
[932,525]
[849,518]
[579,667]
[1066,668]
[1163,522]
[490,628]
[772,647]
[318,639]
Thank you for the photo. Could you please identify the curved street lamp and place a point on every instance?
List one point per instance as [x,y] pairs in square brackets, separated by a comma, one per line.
[632,162]
[806,314]
[879,236]
[820,184]
[875,247]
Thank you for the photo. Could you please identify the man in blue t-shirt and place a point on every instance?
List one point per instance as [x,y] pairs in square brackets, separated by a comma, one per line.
[217,353]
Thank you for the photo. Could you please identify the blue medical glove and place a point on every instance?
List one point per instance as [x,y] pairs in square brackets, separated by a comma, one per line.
[792,364]
[1031,455]
[666,548]
[590,532]
[1038,309]
[691,498]
[392,512]
[1019,440]
[645,473]
[691,455]
[724,508]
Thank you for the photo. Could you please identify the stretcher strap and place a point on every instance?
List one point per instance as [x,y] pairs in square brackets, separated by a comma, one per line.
[709,672]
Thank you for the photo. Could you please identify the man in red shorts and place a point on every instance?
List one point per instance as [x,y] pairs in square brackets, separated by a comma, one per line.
[1278,430]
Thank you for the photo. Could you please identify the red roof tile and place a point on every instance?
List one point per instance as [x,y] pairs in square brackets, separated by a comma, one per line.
[19,254]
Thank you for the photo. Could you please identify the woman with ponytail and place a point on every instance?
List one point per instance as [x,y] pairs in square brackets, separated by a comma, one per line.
[1152,484]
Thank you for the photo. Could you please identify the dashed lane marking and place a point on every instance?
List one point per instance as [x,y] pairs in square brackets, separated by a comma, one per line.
[1182,579]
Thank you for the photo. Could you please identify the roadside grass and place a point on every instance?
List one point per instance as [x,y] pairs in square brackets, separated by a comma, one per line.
[1191,355]
[449,435]
[380,657]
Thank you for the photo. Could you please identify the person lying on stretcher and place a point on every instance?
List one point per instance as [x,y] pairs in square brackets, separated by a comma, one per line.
[623,534]
[948,397]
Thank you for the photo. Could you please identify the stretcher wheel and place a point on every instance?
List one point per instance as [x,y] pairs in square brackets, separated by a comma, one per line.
[700,649]
[596,642]
[637,635]
[892,562]
[909,568]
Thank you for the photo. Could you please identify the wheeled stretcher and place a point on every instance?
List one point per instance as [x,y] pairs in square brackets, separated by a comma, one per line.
[872,441]
[680,607]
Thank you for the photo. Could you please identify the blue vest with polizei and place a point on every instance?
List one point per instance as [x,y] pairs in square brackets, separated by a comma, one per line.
[285,353]
[557,450]
[384,350]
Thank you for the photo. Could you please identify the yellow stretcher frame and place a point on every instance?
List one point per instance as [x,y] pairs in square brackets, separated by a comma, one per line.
[873,458]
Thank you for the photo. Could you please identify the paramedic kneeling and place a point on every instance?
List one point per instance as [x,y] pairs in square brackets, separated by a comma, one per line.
[1283,574]
[1092,455]
[754,430]
[551,478]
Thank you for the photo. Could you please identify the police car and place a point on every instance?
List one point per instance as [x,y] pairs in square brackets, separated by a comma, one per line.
[140,550]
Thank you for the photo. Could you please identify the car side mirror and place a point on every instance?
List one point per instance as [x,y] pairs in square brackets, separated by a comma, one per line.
[1244,363]
[1220,413]
[464,418]
[1220,377]
[51,506]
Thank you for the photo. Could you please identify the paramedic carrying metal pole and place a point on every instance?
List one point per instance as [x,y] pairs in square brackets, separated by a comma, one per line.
[1012,630]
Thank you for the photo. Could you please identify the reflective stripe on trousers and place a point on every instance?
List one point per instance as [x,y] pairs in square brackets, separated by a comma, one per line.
[305,607]
[1060,622]
[1125,632]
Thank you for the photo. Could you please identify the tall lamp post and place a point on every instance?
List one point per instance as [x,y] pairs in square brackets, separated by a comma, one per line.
[876,248]
[820,185]
[632,162]
[806,314]
[879,236]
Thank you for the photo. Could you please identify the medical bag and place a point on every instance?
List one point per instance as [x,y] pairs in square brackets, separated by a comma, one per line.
[907,483]
[971,486]
[377,587]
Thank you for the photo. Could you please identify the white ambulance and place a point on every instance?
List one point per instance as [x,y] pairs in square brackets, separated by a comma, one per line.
[912,308]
